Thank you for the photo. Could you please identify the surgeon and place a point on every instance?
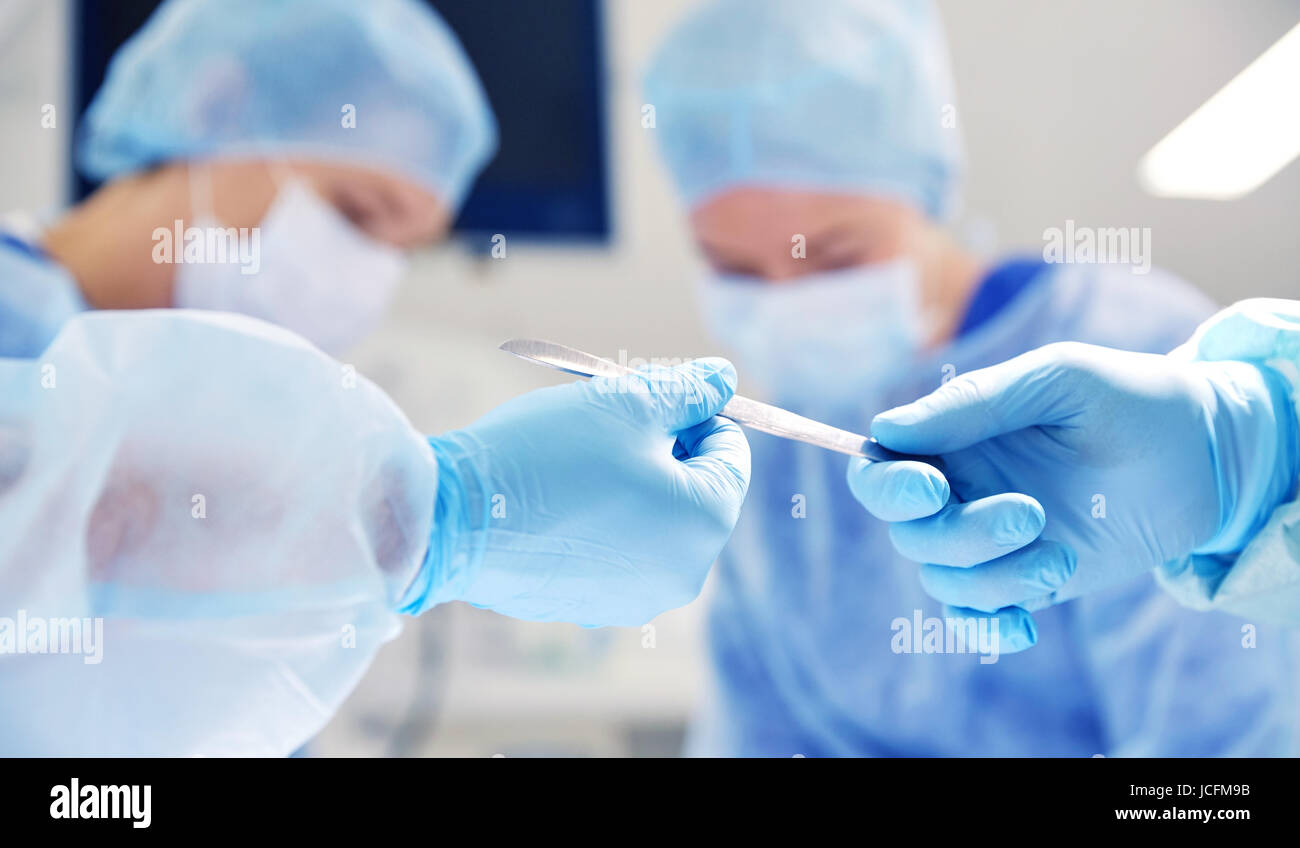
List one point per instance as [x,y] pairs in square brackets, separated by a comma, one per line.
[815,149]
[208,527]
[1195,456]
[274,158]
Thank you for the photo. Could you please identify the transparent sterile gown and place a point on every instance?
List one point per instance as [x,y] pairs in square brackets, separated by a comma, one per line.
[205,528]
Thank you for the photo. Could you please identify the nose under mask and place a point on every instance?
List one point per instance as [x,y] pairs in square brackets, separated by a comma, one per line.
[829,337]
[315,273]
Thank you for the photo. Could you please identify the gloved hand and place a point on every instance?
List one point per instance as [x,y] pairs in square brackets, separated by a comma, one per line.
[1073,467]
[598,502]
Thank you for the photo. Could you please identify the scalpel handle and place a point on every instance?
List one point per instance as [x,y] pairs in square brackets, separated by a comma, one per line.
[788,425]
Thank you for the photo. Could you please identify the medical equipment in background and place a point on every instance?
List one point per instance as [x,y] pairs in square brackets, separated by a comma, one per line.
[756,415]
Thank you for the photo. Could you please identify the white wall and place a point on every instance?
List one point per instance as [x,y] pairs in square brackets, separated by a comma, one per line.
[33,72]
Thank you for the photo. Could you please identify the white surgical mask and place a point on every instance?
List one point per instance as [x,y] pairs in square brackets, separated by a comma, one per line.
[829,337]
[316,274]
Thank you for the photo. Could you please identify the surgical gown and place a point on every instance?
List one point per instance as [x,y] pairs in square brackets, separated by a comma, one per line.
[36,297]
[807,590]
[1263,580]
[206,527]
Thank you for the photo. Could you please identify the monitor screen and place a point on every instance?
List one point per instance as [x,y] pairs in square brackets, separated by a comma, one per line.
[542,66]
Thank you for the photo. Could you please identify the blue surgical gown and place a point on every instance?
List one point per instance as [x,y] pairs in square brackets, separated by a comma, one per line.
[800,625]
[37,296]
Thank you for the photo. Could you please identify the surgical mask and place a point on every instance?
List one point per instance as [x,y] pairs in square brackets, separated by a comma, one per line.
[829,337]
[315,274]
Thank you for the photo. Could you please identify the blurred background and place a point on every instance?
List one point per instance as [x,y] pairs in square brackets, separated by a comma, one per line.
[1057,102]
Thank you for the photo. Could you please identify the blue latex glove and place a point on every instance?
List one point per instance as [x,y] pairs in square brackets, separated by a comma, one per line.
[599,502]
[1075,466]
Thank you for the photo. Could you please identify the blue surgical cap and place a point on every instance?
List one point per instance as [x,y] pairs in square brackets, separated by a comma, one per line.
[842,95]
[378,83]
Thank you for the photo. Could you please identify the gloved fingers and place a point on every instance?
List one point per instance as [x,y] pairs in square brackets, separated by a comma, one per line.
[1026,578]
[687,394]
[1033,388]
[897,491]
[719,459]
[966,534]
[1015,626]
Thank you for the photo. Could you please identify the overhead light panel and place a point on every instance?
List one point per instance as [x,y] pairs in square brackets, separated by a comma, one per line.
[1239,138]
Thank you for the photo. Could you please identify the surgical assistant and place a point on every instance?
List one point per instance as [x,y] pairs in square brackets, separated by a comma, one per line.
[269,157]
[1193,457]
[232,522]
[809,145]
